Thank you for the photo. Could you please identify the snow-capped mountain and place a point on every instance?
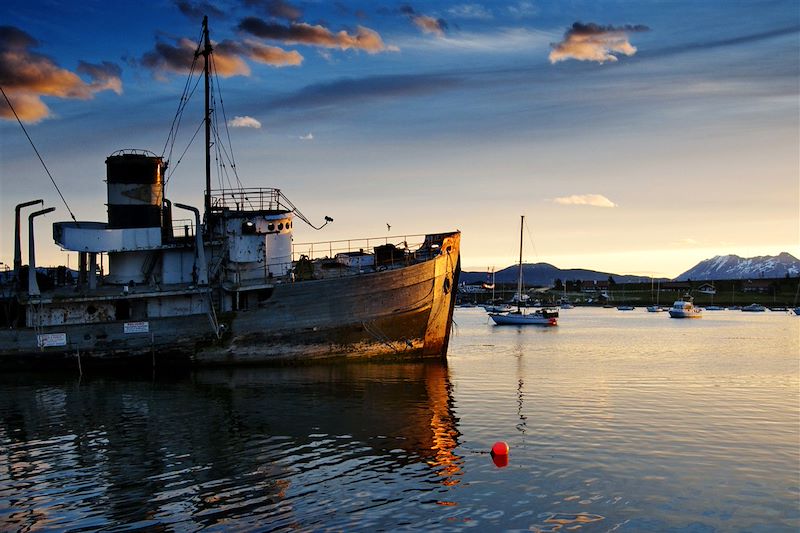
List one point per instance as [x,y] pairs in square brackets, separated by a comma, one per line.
[735,267]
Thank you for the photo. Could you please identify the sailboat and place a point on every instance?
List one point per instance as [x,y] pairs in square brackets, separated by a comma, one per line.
[655,308]
[539,317]
[495,307]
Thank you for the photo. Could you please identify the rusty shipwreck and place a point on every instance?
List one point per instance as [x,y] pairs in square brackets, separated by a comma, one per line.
[225,285]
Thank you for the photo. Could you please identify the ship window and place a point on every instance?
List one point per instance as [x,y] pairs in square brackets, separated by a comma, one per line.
[248,228]
[288,225]
[271,227]
[280,226]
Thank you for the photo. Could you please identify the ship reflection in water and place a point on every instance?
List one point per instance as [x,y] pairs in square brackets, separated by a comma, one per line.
[290,447]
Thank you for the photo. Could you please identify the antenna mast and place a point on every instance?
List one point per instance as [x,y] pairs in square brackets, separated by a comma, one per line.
[206,53]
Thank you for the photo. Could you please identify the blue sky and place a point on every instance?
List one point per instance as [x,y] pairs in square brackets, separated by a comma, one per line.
[636,136]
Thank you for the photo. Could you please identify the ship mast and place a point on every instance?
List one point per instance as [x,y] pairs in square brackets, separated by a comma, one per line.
[519,276]
[206,53]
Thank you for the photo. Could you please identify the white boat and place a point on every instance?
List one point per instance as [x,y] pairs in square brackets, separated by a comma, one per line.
[655,309]
[498,308]
[685,309]
[539,317]
[567,305]
[754,308]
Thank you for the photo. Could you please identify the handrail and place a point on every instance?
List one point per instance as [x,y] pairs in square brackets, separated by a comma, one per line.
[316,250]
[250,198]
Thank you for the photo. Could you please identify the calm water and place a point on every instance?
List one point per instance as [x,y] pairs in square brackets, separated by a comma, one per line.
[617,421]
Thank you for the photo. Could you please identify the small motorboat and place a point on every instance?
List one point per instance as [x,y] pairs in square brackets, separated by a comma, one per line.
[685,308]
[754,308]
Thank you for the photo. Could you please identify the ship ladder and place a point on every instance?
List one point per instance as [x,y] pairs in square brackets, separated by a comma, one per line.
[212,315]
[150,264]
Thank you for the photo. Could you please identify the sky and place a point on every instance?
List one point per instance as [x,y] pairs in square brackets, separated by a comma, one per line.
[636,137]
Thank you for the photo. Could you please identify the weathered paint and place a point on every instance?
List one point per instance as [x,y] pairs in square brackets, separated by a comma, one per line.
[396,313]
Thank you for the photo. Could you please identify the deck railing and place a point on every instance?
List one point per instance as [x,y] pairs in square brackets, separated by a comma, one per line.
[320,250]
[250,199]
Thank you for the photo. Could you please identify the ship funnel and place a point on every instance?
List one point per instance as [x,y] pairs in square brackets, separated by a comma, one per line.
[135,189]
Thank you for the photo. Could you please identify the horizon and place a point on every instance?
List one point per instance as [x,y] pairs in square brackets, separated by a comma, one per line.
[638,139]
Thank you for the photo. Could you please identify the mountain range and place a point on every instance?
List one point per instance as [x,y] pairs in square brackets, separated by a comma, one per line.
[735,267]
[719,267]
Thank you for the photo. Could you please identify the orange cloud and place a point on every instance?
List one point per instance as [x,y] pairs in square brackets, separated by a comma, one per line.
[592,42]
[273,55]
[302,33]
[429,24]
[26,76]
[178,59]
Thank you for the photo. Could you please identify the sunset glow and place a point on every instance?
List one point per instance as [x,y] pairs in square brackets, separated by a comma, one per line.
[635,137]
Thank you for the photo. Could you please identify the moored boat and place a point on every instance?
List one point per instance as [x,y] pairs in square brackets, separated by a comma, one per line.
[226,287]
[685,308]
[754,308]
[540,316]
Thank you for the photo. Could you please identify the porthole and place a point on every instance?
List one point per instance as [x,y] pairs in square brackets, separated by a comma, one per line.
[271,227]
[280,226]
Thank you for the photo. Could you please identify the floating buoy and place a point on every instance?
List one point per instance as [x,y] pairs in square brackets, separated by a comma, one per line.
[500,454]
[500,448]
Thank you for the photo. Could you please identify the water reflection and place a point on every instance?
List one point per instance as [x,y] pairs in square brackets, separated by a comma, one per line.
[234,447]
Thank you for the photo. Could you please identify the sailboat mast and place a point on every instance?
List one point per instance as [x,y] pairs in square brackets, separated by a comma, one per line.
[206,55]
[519,274]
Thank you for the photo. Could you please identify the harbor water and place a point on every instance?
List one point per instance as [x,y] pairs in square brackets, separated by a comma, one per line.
[616,421]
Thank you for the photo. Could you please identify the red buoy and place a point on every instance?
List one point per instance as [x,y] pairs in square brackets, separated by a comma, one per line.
[500,448]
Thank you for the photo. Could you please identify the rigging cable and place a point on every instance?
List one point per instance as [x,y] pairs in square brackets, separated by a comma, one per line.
[39,156]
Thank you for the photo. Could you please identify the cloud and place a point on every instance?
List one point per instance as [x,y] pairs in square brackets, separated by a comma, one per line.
[26,76]
[470,11]
[269,55]
[523,9]
[277,8]
[301,33]
[425,23]
[244,122]
[178,58]
[366,89]
[594,200]
[307,137]
[197,10]
[429,24]
[593,42]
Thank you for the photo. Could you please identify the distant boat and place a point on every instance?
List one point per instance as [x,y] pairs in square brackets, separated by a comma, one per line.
[540,317]
[498,308]
[714,308]
[754,308]
[566,305]
[685,308]
[655,309]
[625,308]
[735,308]
[797,311]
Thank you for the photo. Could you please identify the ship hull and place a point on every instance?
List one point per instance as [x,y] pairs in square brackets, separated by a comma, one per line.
[400,313]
